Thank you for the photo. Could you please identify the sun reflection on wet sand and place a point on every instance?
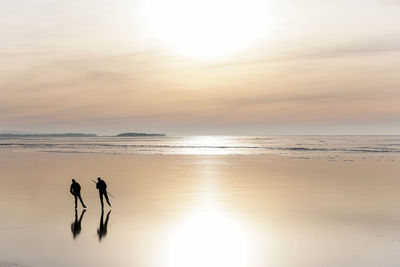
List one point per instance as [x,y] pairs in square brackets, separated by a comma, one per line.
[208,236]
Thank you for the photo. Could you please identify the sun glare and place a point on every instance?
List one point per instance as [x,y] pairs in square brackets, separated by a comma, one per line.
[207,29]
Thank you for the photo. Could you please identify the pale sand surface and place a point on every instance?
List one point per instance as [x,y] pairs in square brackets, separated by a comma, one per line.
[192,211]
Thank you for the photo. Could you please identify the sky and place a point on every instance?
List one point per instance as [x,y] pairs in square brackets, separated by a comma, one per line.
[200,67]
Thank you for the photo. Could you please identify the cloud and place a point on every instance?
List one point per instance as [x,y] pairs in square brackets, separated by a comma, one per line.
[364,49]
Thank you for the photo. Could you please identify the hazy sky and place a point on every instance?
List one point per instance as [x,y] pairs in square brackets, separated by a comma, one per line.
[200,67]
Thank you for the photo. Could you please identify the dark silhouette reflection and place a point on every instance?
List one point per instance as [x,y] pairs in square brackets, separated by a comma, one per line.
[76,225]
[102,230]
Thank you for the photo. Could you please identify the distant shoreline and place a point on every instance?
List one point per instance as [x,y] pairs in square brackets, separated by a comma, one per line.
[9,135]
[48,135]
[138,134]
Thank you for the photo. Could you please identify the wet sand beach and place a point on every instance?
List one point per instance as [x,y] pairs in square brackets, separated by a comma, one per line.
[188,210]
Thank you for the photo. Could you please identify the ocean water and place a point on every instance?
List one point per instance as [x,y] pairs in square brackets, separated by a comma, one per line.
[296,146]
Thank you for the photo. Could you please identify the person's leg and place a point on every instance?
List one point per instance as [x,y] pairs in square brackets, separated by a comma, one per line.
[76,200]
[80,198]
[106,196]
[101,199]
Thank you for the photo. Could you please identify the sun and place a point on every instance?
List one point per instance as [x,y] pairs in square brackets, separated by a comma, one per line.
[206,29]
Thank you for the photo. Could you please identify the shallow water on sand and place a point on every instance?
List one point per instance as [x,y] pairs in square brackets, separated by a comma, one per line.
[187,210]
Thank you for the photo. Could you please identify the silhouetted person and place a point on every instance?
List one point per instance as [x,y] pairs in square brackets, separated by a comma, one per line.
[76,225]
[102,186]
[102,230]
[75,190]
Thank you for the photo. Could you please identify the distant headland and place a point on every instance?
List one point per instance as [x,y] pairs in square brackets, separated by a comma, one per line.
[15,135]
[27,135]
[138,134]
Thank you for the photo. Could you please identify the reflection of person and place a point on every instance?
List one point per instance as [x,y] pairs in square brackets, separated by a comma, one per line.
[75,190]
[76,225]
[102,186]
[102,230]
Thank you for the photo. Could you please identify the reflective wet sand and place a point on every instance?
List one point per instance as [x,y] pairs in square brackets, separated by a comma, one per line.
[182,211]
